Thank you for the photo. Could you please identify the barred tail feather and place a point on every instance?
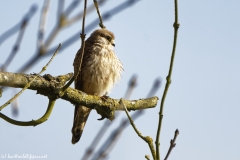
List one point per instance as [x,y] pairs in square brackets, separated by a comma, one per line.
[81,114]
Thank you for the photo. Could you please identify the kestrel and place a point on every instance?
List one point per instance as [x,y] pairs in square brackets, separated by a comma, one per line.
[100,70]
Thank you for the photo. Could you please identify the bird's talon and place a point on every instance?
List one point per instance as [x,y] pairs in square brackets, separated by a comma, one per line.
[102,118]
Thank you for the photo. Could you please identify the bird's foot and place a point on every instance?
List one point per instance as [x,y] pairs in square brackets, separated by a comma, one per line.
[104,97]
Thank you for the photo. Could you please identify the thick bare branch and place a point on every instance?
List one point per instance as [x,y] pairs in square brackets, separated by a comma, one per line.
[50,86]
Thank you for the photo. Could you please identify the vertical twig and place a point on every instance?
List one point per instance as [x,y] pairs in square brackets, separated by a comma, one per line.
[99,15]
[82,35]
[80,15]
[168,78]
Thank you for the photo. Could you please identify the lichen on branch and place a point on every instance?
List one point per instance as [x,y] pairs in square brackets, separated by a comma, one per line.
[50,86]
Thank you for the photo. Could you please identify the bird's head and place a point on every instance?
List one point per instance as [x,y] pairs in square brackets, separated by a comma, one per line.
[104,36]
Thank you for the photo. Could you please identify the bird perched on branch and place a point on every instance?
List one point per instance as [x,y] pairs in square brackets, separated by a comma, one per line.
[100,70]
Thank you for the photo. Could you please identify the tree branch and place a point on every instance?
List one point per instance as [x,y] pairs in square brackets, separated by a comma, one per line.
[176,25]
[147,139]
[32,122]
[50,86]
[29,83]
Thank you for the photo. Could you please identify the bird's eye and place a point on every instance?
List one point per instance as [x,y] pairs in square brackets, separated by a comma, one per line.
[108,38]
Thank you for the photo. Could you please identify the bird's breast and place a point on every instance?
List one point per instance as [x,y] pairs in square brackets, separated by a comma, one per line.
[102,70]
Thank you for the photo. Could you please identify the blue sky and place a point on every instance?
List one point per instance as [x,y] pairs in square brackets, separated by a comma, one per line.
[203,101]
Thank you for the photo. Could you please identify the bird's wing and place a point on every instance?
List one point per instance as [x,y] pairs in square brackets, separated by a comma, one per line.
[81,113]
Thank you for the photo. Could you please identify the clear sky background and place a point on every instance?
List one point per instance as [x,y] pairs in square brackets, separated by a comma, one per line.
[203,101]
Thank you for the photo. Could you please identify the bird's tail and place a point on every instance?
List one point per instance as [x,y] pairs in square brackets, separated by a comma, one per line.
[81,114]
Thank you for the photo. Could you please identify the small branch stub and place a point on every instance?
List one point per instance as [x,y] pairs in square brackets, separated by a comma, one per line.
[176,25]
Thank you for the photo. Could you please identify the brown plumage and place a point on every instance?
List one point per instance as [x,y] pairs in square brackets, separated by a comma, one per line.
[100,70]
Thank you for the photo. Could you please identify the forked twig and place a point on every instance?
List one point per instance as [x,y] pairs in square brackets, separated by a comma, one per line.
[168,78]
[172,144]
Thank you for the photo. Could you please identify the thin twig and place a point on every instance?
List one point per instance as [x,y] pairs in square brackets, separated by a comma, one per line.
[50,38]
[32,122]
[28,84]
[168,82]
[60,8]
[14,105]
[155,87]
[110,143]
[131,86]
[106,16]
[80,14]
[15,28]
[172,144]
[16,46]
[147,139]
[147,157]
[82,35]
[60,23]
[99,15]
[71,7]
[105,149]
[47,52]
[42,23]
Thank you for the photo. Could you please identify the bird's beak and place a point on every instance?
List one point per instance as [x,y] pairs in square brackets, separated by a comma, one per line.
[113,43]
